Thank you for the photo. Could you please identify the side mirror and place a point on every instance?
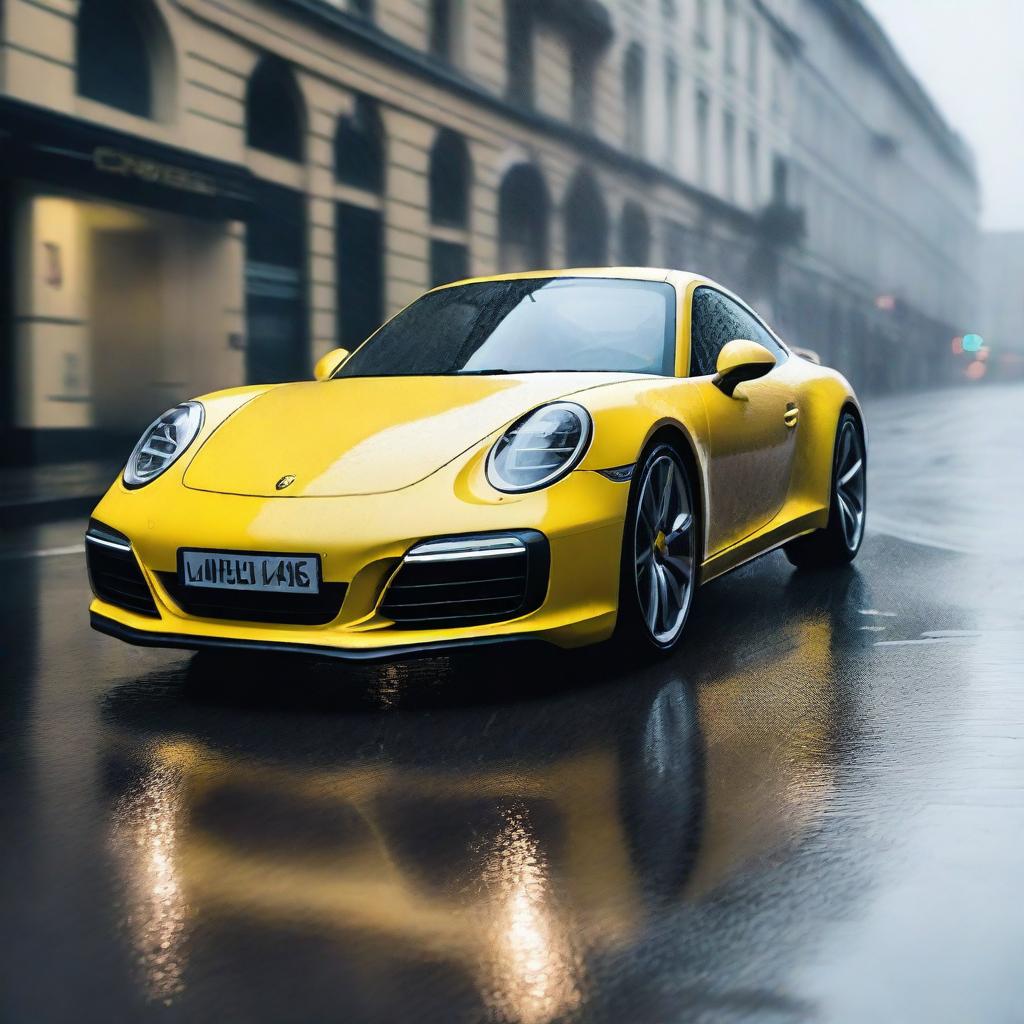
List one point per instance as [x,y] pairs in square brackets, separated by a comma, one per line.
[740,361]
[807,353]
[328,364]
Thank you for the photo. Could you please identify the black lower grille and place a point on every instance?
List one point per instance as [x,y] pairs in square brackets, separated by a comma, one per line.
[471,591]
[241,606]
[114,573]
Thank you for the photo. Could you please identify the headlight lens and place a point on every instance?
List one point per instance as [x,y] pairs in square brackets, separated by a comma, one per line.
[162,442]
[540,448]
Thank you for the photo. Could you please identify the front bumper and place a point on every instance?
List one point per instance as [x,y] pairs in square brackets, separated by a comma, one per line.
[361,541]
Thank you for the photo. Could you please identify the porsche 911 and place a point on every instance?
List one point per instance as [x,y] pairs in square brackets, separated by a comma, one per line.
[556,456]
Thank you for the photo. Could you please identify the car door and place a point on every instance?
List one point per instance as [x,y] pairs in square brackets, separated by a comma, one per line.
[751,434]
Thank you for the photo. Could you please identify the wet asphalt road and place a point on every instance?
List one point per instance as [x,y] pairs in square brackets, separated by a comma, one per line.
[814,811]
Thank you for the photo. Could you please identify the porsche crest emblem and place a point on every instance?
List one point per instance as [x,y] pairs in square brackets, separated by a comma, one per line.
[285,481]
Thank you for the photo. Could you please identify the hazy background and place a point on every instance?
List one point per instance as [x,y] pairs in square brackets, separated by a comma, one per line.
[967,54]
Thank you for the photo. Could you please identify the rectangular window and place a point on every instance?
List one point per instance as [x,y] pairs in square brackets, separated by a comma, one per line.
[582,89]
[753,169]
[519,52]
[449,261]
[730,36]
[753,54]
[359,241]
[671,112]
[703,114]
[700,32]
[729,154]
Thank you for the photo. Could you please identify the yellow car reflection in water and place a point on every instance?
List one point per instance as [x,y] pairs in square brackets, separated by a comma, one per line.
[565,853]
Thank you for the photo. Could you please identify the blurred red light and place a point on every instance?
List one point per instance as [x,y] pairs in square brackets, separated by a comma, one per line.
[976,370]
[958,346]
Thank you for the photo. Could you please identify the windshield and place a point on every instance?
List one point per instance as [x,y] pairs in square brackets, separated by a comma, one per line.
[527,326]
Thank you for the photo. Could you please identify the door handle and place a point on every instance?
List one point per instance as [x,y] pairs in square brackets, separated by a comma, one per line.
[792,415]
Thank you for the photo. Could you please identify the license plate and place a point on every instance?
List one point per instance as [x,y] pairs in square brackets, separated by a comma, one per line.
[247,570]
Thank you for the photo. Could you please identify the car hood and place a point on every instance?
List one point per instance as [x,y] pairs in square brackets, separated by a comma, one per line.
[366,435]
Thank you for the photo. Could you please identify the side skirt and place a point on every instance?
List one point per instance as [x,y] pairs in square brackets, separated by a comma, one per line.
[761,544]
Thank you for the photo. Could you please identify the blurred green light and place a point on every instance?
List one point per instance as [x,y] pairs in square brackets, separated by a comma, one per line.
[973,342]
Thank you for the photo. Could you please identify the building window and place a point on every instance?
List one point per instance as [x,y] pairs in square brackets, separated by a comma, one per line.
[359,272]
[582,88]
[753,54]
[633,85]
[274,116]
[729,54]
[729,154]
[446,29]
[703,114]
[753,169]
[450,183]
[449,261]
[523,211]
[113,55]
[586,223]
[779,182]
[359,147]
[450,174]
[519,51]
[671,111]
[777,82]
[701,34]
[634,236]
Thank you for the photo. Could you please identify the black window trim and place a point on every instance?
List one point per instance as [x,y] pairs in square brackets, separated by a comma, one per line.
[746,308]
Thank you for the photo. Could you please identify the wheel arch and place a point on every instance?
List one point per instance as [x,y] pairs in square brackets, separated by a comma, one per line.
[675,434]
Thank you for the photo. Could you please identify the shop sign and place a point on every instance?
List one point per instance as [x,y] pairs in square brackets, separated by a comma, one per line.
[115,161]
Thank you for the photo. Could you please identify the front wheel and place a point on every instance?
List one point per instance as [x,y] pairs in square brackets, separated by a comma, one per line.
[659,553]
[839,542]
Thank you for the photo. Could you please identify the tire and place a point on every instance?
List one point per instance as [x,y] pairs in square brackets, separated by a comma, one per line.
[839,542]
[660,554]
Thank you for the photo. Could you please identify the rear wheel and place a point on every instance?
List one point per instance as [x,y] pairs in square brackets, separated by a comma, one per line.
[659,553]
[839,542]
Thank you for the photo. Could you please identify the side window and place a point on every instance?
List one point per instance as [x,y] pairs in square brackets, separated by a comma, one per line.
[715,321]
[710,329]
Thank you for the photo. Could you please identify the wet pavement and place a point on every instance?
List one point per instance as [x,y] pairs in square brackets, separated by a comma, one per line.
[814,811]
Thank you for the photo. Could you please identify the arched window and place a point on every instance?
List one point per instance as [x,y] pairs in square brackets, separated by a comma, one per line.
[633,87]
[586,223]
[359,147]
[274,116]
[523,210]
[634,236]
[450,174]
[124,56]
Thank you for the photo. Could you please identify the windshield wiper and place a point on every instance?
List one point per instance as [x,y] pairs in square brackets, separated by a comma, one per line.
[484,373]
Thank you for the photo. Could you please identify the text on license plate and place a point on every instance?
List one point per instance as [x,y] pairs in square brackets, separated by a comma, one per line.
[225,570]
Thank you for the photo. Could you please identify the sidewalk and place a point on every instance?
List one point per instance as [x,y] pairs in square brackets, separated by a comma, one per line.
[36,494]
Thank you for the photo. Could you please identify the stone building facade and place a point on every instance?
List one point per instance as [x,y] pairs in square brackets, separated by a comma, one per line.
[197,193]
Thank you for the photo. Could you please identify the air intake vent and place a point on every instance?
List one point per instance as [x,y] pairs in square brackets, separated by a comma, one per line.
[114,573]
[242,606]
[469,581]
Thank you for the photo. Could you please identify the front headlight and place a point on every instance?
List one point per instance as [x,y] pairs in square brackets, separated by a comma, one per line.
[162,442]
[540,448]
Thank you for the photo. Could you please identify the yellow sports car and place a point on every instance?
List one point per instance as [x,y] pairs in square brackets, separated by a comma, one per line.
[557,456]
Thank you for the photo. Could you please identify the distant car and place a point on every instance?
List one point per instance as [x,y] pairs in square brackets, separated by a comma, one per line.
[557,456]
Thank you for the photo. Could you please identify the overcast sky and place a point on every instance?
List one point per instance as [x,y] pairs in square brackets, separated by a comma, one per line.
[968,55]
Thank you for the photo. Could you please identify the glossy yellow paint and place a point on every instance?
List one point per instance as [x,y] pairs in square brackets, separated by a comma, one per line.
[381,464]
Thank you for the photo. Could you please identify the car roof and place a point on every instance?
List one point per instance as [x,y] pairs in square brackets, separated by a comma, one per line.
[677,277]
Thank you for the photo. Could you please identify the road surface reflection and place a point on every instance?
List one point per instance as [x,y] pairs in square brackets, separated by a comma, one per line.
[515,825]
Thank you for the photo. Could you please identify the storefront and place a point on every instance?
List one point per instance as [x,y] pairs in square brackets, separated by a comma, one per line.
[127,284]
